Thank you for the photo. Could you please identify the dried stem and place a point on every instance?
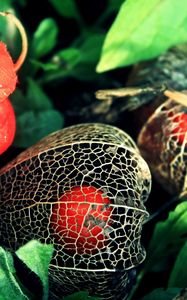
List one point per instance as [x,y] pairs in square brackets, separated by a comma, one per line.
[180,97]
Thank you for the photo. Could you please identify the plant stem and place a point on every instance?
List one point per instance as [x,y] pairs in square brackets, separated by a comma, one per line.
[138,282]
[22,32]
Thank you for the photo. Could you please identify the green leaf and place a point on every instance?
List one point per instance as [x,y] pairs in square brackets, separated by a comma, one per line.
[78,62]
[90,51]
[36,98]
[8,30]
[167,239]
[5,6]
[178,275]
[66,8]
[34,125]
[62,61]
[9,287]
[142,30]
[161,294]
[45,38]
[91,47]
[37,257]
[45,66]
[80,296]
[68,57]
[19,101]
[62,64]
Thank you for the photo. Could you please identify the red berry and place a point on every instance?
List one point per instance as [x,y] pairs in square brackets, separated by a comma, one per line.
[78,223]
[7,125]
[8,77]
[180,126]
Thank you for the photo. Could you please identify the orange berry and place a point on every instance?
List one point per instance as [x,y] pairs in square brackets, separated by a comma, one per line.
[81,218]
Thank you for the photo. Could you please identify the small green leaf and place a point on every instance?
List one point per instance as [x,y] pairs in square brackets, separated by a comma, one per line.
[80,296]
[62,64]
[34,125]
[66,8]
[161,294]
[142,30]
[9,287]
[45,66]
[5,5]
[45,38]
[36,98]
[167,239]
[68,57]
[8,30]
[90,51]
[78,62]
[37,257]
[19,101]
[91,47]
[178,275]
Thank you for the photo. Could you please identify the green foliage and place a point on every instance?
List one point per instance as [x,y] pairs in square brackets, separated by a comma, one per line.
[40,44]
[7,31]
[161,294]
[37,258]
[78,62]
[142,30]
[33,125]
[5,5]
[167,239]
[66,8]
[9,286]
[35,115]
[179,273]
[36,98]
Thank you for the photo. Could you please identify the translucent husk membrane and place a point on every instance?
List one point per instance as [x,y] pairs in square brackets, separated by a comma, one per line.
[95,155]
[163,144]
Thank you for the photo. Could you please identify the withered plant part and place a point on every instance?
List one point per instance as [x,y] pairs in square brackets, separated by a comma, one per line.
[146,85]
[38,188]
